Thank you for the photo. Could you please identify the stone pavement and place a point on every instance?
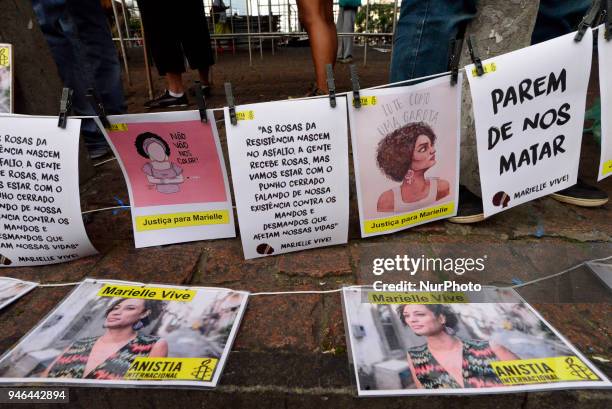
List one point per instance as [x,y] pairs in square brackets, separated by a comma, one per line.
[290,351]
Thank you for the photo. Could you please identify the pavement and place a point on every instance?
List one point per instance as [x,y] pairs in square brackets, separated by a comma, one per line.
[290,351]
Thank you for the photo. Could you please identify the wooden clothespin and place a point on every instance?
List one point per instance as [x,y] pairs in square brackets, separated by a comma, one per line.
[98,107]
[454,55]
[588,20]
[65,107]
[474,56]
[230,103]
[356,87]
[331,85]
[201,102]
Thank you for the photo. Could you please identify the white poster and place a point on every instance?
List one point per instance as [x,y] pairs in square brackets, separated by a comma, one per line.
[604,48]
[406,155]
[176,177]
[12,289]
[529,115]
[289,164]
[40,210]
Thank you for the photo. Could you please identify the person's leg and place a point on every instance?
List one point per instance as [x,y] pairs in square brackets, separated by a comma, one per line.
[317,18]
[422,36]
[349,25]
[195,39]
[103,70]
[340,29]
[558,17]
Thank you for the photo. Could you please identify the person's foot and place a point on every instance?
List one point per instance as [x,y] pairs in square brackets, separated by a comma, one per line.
[206,90]
[346,60]
[470,208]
[96,152]
[166,100]
[96,145]
[582,194]
[313,91]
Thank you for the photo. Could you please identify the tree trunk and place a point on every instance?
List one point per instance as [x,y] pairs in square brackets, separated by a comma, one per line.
[37,86]
[500,26]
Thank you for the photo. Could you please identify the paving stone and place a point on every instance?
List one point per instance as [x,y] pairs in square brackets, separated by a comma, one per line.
[321,262]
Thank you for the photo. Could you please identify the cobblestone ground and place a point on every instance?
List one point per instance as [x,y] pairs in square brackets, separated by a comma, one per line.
[291,350]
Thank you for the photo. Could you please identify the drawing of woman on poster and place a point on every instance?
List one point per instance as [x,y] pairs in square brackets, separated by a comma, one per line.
[404,155]
[445,360]
[110,355]
[166,176]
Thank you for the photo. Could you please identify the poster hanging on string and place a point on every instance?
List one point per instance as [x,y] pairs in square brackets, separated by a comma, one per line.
[11,289]
[107,333]
[40,210]
[431,343]
[529,115]
[289,164]
[406,155]
[176,177]
[604,49]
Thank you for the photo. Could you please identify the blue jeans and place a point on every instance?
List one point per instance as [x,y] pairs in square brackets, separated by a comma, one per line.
[425,28]
[81,44]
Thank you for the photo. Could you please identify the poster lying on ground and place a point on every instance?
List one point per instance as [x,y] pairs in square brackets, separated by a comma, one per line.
[425,343]
[289,164]
[604,49]
[12,289]
[406,155]
[111,333]
[6,78]
[40,209]
[176,177]
[529,115]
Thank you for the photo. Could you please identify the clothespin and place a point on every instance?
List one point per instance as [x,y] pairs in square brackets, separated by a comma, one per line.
[98,106]
[608,20]
[201,102]
[588,20]
[65,107]
[454,55]
[230,103]
[474,56]
[331,85]
[356,87]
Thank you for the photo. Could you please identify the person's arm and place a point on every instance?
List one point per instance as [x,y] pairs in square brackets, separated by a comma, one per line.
[148,170]
[443,189]
[385,202]
[160,349]
[413,372]
[503,353]
[45,373]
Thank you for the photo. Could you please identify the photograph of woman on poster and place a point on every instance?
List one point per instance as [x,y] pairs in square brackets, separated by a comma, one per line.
[110,355]
[404,156]
[445,360]
[166,176]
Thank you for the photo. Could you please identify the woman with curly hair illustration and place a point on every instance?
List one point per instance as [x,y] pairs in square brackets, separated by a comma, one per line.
[445,360]
[404,155]
[110,355]
[165,175]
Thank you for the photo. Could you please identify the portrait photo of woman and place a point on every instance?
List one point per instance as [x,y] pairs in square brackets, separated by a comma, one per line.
[165,175]
[404,156]
[446,360]
[110,355]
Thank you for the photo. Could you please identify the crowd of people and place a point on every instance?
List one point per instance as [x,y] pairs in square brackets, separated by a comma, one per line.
[79,37]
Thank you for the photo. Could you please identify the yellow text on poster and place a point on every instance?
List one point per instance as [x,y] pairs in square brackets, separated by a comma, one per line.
[408,219]
[118,127]
[192,369]
[149,293]
[376,297]
[366,101]
[488,68]
[245,115]
[185,219]
[543,370]
[5,56]
[607,168]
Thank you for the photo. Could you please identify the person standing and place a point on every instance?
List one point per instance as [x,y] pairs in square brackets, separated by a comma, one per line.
[175,32]
[346,24]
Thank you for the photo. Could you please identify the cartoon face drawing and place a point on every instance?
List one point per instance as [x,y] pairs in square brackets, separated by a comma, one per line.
[165,175]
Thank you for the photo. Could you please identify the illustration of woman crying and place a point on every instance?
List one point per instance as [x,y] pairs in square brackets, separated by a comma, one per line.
[166,176]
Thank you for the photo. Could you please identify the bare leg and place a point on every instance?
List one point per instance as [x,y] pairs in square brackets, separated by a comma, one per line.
[318,18]
[175,82]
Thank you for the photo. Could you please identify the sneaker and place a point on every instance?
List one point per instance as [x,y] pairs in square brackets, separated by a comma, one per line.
[206,90]
[346,60]
[166,100]
[96,144]
[96,152]
[582,194]
[470,208]
[313,91]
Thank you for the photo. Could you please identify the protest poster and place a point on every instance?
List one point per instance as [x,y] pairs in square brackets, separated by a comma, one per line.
[11,289]
[176,177]
[6,78]
[289,164]
[406,155]
[40,210]
[604,49]
[529,115]
[454,342]
[107,333]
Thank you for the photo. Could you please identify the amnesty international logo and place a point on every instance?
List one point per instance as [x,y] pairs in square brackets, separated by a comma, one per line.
[205,370]
[4,57]
[579,370]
